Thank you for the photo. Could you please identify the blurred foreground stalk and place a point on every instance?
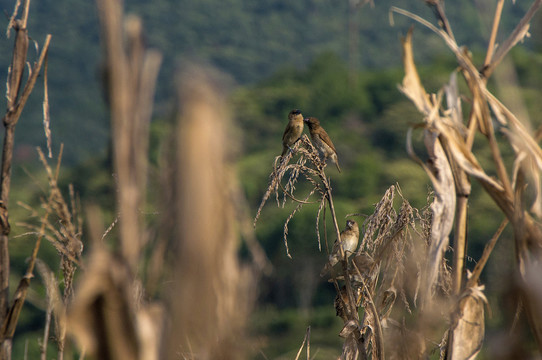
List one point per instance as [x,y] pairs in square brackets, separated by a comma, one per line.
[210,296]
[202,314]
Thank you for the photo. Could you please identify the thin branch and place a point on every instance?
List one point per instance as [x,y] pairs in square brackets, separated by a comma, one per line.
[11,21]
[291,196]
[12,116]
[379,334]
[485,255]
[26,9]
[12,318]
[494,30]
[306,340]
[441,16]
[321,207]
[519,33]
[46,115]
[297,208]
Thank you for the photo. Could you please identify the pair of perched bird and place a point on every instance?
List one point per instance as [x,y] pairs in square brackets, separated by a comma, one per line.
[319,136]
[350,235]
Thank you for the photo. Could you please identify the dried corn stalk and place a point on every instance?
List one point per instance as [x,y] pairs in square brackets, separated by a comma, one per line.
[507,191]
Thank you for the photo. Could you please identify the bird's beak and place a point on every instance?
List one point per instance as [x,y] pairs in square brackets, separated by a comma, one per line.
[306,120]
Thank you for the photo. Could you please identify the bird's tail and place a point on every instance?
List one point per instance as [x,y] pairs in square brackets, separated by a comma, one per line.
[336,161]
[325,270]
[333,259]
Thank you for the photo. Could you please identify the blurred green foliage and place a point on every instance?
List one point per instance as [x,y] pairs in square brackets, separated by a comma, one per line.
[278,334]
[246,39]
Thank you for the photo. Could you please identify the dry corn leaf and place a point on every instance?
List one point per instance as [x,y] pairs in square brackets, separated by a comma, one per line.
[411,85]
[101,315]
[437,168]
[463,156]
[469,330]
[453,101]
[528,152]
[443,208]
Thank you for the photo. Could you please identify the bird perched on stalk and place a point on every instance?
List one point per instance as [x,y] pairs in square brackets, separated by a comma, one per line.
[342,302]
[348,241]
[293,130]
[321,141]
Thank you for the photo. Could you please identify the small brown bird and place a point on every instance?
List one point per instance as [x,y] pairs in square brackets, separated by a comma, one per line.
[342,302]
[365,264]
[348,240]
[321,141]
[293,130]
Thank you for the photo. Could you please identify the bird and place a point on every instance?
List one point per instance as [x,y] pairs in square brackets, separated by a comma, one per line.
[321,141]
[342,302]
[363,268]
[293,130]
[348,240]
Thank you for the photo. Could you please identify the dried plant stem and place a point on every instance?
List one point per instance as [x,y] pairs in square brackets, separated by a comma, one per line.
[497,158]
[460,242]
[519,33]
[46,116]
[441,16]
[10,120]
[128,198]
[10,323]
[306,340]
[54,306]
[460,235]
[494,30]
[463,190]
[321,207]
[333,216]
[132,74]
[45,341]
[379,337]
[12,116]
[297,208]
[485,255]
[15,107]
[291,196]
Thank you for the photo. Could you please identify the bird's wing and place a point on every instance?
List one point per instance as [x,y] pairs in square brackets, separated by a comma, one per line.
[325,138]
[335,247]
[286,131]
[337,243]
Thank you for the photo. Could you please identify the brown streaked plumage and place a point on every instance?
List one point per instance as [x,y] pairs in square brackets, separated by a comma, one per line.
[293,130]
[321,141]
[342,302]
[348,240]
